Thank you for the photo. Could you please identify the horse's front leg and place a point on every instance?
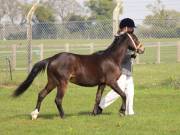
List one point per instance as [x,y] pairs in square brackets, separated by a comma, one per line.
[98,98]
[117,89]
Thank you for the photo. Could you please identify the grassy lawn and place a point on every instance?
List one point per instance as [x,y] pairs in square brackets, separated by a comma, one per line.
[157,107]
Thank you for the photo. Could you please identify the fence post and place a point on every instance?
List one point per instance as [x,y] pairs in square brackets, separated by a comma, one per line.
[158,53]
[41,51]
[137,59]
[67,47]
[4,30]
[178,52]
[14,57]
[91,48]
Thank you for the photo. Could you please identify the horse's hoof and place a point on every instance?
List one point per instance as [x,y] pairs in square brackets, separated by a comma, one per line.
[99,110]
[121,113]
[93,114]
[34,114]
[62,116]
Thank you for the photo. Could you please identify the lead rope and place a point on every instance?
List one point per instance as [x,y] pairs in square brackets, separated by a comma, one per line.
[132,62]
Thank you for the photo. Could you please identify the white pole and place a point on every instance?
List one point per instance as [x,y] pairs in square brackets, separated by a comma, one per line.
[14,57]
[178,51]
[91,48]
[158,53]
[116,12]
[41,51]
[67,48]
[4,31]
[29,34]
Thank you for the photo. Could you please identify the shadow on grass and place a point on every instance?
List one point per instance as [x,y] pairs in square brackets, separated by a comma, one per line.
[89,113]
[48,116]
[67,115]
[54,115]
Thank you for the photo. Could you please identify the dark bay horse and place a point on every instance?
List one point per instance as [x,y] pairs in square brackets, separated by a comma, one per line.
[100,68]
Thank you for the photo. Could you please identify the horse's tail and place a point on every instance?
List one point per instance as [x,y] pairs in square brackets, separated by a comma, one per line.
[37,68]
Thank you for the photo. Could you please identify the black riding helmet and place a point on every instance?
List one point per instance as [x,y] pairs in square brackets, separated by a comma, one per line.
[126,22]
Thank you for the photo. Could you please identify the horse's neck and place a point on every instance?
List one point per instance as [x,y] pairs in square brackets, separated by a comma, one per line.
[119,56]
[118,53]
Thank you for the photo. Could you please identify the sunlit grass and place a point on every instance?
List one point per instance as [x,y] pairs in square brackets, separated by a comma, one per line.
[157,107]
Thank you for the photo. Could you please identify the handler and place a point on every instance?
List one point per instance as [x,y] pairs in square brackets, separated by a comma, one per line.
[125,81]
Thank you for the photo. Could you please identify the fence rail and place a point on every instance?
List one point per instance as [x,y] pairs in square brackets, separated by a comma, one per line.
[155,53]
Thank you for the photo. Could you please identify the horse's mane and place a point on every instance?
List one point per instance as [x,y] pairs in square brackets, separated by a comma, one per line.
[117,39]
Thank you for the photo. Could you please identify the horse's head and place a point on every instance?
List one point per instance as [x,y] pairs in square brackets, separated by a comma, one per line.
[127,39]
[135,45]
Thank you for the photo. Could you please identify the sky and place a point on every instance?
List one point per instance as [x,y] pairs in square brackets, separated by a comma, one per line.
[136,9]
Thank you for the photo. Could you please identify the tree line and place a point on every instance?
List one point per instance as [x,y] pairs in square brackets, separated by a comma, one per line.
[161,23]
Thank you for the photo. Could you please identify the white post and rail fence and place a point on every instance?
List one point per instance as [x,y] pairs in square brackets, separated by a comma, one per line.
[40,51]
[178,52]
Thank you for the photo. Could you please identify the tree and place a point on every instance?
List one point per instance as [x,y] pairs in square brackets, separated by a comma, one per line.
[11,9]
[44,28]
[43,16]
[157,7]
[43,13]
[101,9]
[74,17]
[64,8]
[166,18]
[2,9]
[76,23]
[162,22]
[158,12]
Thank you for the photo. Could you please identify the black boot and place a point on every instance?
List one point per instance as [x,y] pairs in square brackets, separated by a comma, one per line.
[99,110]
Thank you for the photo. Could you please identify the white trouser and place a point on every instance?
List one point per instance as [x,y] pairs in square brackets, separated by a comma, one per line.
[126,84]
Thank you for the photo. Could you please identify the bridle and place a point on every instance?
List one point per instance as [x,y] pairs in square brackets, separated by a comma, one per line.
[134,44]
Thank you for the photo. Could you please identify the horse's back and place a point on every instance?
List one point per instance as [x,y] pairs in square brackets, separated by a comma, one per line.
[84,70]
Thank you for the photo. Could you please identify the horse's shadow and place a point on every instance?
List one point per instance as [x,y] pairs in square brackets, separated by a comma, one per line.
[55,115]
[67,115]
[85,113]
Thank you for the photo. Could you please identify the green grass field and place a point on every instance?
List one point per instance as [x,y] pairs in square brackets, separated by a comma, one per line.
[157,107]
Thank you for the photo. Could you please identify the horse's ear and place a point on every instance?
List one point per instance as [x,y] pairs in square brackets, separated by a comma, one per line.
[117,36]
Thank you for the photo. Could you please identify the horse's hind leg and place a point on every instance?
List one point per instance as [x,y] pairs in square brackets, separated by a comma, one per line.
[98,98]
[42,94]
[61,88]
